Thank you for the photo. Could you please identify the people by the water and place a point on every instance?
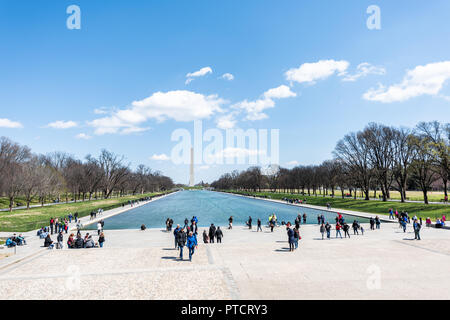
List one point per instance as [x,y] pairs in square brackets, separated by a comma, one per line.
[191,244]
[230,222]
[259,225]
[219,235]
[181,241]
[212,233]
[249,222]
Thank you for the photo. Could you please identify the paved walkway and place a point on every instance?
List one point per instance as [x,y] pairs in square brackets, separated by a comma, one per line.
[134,264]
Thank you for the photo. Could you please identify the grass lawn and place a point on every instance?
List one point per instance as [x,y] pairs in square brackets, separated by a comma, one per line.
[433,196]
[377,207]
[25,220]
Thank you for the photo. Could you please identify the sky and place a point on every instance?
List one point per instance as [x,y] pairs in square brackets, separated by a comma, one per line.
[136,71]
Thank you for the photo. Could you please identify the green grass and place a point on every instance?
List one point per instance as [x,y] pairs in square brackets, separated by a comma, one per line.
[433,196]
[25,220]
[376,207]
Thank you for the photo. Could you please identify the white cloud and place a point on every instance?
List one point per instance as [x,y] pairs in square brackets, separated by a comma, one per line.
[200,73]
[293,163]
[62,124]
[204,167]
[227,76]
[422,80]
[226,122]
[280,92]
[160,157]
[310,72]
[6,123]
[255,108]
[102,110]
[180,105]
[363,70]
[83,136]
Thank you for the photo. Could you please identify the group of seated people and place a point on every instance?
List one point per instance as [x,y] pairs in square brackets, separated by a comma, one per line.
[15,241]
[79,242]
[73,243]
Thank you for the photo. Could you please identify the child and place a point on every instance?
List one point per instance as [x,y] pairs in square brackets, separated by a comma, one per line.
[362,230]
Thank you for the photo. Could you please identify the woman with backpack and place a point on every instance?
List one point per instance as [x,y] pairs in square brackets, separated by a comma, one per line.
[191,244]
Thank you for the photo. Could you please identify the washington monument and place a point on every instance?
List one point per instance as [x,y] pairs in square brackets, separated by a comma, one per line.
[191,179]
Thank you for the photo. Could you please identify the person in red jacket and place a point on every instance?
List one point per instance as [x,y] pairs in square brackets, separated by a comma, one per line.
[338,230]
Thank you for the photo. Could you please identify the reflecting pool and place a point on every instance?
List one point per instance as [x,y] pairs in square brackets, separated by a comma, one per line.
[212,207]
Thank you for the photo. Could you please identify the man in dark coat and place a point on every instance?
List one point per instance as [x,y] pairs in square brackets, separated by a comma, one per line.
[181,240]
[212,233]
[219,235]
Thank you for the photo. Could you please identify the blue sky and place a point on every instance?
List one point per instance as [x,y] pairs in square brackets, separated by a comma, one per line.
[127,51]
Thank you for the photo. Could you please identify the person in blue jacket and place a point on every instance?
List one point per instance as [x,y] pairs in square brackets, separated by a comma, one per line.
[191,244]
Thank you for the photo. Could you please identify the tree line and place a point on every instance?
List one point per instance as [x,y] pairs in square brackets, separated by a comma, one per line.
[379,158]
[59,175]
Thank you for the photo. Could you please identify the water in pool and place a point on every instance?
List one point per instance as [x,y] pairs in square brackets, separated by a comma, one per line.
[211,207]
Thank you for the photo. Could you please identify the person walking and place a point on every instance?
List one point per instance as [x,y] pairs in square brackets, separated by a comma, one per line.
[346,228]
[205,237]
[291,239]
[230,222]
[296,237]
[304,218]
[52,224]
[101,239]
[194,228]
[76,217]
[416,227]
[272,224]
[219,235]
[191,244]
[377,222]
[259,225]
[60,240]
[175,233]
[338,230]
[249,222]
[181,241]
[99,228]
[322,230]
[372,224]
[212,233]
[355,227]
[328,230]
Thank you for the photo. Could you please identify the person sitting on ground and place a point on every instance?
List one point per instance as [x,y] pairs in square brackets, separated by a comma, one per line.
[20,240]
[143,227]
[89,243]
[48,243]
[10,243]
[79,242]
[428,222]
[70,241]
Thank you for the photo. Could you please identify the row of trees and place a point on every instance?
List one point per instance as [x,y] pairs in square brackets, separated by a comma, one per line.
[379,158]
[60,175]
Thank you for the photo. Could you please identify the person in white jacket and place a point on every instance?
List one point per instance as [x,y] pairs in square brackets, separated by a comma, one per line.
[99,228]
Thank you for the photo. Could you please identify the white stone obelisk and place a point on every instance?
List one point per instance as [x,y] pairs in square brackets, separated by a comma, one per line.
[191,179]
